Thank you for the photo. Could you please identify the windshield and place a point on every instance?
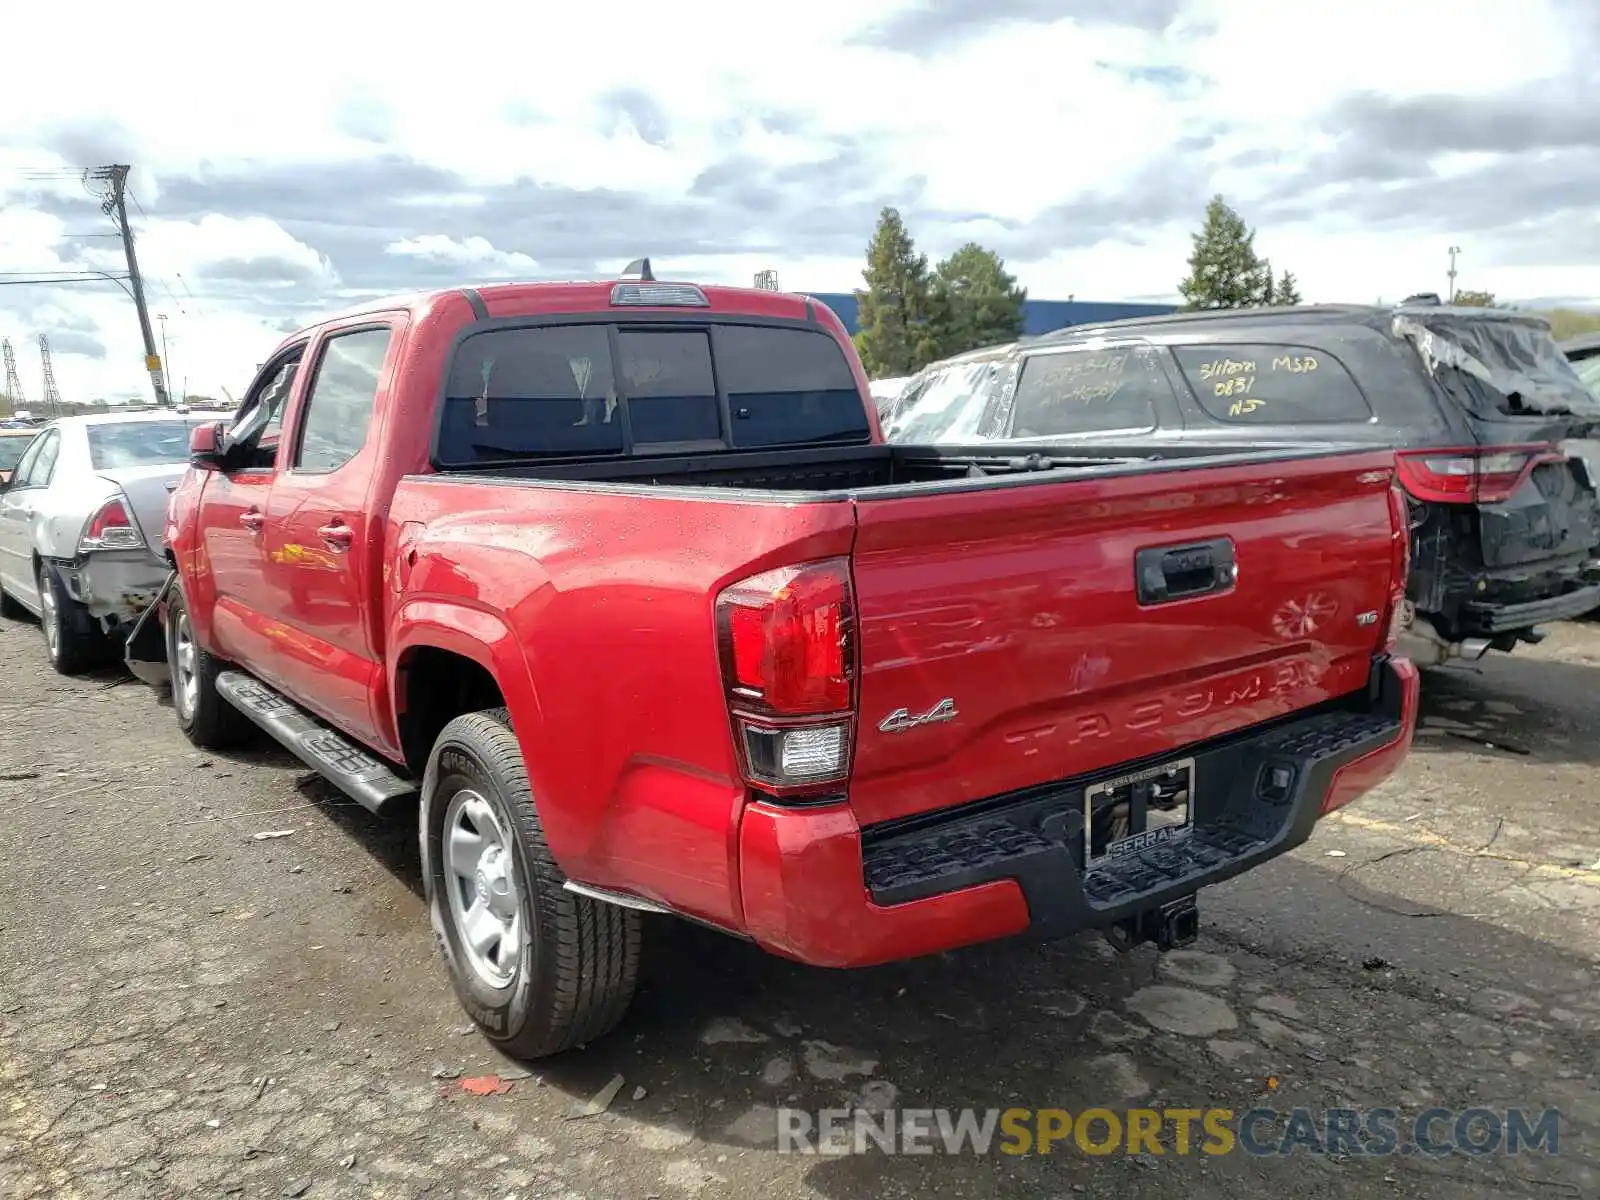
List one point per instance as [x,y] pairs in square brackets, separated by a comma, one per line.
[11,449]
[946,405]
[138,444]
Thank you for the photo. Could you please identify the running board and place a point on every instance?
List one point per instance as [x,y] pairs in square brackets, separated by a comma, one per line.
[368,781]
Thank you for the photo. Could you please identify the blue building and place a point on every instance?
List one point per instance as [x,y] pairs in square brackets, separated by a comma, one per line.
[1039,316]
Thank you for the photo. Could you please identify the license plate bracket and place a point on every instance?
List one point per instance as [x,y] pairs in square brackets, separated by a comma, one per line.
[1131,813]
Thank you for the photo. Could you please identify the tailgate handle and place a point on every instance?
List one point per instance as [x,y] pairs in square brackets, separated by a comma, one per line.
[1166,573]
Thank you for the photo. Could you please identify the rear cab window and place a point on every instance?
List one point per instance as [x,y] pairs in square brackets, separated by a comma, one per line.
[1271,384]
[1100,390]
[612,389]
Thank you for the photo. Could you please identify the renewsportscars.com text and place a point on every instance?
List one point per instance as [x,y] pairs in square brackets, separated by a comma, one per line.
[1374,1132]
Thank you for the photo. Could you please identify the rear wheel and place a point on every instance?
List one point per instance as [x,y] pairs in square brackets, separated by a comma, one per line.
[72,638]
[208,720]
[538,968]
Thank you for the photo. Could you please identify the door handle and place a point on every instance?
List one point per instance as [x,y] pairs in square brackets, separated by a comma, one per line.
[1166,573]
[337,534]
[251,520]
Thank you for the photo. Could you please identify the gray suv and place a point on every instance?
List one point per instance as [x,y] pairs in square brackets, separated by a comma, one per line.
[1497,438]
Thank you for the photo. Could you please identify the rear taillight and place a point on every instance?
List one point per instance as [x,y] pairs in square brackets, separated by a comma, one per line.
[1472,476]
[110,529]
[787,641]
[1399,566]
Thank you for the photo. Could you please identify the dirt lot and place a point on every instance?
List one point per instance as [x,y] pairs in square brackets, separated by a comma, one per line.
[188,1011]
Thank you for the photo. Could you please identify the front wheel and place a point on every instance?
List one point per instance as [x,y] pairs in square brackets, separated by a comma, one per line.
[538,968]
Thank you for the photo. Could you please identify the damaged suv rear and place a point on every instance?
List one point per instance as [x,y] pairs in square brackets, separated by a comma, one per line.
[1505,524]
[1498,440]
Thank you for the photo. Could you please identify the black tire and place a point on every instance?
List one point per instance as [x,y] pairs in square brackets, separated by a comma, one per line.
[12,609]
[72,638]
[577,959]
[207,720]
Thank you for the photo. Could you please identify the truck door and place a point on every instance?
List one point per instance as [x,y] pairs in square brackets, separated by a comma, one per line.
[233,515]
[322,547]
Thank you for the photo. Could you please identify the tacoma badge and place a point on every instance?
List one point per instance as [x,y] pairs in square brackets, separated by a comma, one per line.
[902,719]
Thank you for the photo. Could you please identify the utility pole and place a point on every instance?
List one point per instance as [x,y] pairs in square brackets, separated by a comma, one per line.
[166,359]
[115,206]
[1454,250]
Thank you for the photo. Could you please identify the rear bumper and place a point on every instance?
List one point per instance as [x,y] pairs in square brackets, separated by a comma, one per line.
[115,584]
[1489,618]
[819,889]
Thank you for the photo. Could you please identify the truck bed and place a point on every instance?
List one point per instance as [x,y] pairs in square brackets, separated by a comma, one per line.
[840,472]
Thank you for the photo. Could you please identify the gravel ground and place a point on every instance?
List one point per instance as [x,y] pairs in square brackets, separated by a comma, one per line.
[186,1010]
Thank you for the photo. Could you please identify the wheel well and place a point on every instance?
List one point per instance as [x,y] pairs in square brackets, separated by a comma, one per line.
[433,687]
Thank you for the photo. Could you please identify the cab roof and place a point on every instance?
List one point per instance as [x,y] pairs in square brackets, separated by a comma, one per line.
[592,296]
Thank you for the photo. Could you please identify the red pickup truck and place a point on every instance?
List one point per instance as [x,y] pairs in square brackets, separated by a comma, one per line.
[621,582]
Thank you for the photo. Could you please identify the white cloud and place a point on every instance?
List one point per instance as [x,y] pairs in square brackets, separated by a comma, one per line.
[997,131]
[472,254]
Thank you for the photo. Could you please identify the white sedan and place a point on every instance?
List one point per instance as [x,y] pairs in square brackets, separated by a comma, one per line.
[81,527]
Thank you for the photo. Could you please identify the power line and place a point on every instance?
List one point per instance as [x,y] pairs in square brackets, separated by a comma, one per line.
[53,281]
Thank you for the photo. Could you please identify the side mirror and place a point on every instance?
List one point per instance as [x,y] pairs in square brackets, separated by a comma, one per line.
[205,447]
[5,481]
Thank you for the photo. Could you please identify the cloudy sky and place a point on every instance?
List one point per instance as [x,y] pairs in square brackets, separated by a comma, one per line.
[291,166]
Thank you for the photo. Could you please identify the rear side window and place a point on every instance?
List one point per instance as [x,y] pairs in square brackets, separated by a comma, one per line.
[138,444]
[787,387]
[557,391]
[1087,391]
[1271,385]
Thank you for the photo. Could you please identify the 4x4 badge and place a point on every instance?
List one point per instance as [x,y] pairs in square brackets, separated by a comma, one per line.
[902,719]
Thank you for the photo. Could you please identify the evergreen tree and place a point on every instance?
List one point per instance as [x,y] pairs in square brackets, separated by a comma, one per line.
[1224,269]
[1286,291]
[896,336]
[976,302]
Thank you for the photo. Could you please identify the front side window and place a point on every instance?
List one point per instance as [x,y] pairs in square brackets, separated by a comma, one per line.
[1272,385]
[341,400]
[44,464]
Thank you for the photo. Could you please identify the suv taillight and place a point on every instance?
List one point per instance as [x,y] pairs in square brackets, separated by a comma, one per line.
[110,529]
[787,643]
[1486,475]
[1400,565]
